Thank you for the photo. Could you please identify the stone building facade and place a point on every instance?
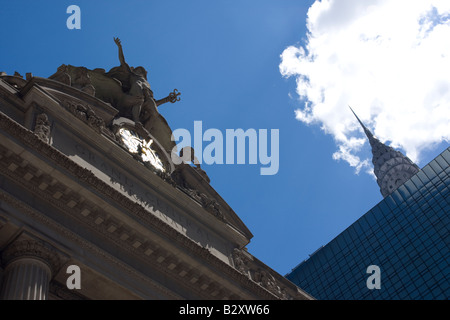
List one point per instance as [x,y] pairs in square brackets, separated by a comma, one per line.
[82,184]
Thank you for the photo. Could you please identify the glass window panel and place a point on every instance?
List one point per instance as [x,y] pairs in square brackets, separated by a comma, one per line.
[390,202]
[377,213]
[409,287]
[429,172]
[346,237]
[435,179]
[446,155]
[423,178]
[418,281]
[397,197]
[435,166]
[436,291]
[384,207]
[441,161]
[410,186]
[370,219]
[417,182]
[363,223]
[443,175]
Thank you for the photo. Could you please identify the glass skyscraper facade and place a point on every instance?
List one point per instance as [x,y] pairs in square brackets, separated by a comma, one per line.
[406,236]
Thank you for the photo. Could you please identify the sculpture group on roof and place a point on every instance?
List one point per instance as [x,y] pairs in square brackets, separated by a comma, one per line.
[126,89]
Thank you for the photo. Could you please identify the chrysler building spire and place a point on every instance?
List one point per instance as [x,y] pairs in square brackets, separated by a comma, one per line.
[391,167]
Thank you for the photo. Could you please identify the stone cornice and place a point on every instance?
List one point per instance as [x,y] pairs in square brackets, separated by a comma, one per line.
[61,292]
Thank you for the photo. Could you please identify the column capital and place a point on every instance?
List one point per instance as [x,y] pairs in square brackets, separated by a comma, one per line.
[32,249]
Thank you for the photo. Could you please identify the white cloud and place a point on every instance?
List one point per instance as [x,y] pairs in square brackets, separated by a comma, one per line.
[389,60]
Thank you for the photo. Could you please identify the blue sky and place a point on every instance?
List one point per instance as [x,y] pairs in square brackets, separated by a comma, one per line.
[224,58]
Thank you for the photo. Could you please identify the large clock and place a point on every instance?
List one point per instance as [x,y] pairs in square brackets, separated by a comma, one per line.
[142,145]
[138,145]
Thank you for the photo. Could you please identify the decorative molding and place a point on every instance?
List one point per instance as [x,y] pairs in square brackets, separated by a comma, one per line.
[42,127]
[34,249]
[61,292]
[210,204]
[241,262]
[85,113]
[250,267]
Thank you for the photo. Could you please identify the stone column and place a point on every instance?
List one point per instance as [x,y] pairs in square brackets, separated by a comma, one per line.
[29,267]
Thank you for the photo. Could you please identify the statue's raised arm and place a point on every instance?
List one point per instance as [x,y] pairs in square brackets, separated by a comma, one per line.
[121,56]
[172,97]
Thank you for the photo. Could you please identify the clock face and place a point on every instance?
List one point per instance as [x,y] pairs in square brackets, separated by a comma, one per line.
[138,145]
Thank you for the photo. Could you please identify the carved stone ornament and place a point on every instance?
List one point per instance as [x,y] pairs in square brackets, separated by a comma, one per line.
[32,248]
[266,280]
[241,262]
[85,113]
[42,128]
